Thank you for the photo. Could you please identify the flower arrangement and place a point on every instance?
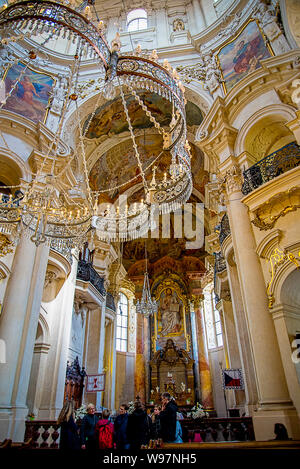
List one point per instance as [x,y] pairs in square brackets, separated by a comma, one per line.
[130,407]
[31,416]
[80,412]
[198,411]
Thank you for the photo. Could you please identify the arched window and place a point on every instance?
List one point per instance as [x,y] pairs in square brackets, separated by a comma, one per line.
[212,320]
[122,324]
[137,20]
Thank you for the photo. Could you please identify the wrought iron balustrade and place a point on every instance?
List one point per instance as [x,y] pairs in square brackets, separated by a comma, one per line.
[63,247]
[220,263]
[110,302]
[220,266]
[87,273]
[278,162]
[224,228]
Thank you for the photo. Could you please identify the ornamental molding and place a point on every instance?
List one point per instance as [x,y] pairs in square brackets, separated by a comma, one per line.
[278,206]
[232,180]
[268,244]
[6,246]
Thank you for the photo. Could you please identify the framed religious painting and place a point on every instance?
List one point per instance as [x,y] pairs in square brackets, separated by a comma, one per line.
[170,320]
[242,54]
[29,92]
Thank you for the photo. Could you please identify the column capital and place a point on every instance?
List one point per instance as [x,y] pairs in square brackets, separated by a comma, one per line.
[230,180]
[207,278]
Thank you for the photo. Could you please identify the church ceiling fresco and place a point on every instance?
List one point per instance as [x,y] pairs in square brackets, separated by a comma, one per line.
[174,248]
[110,118]
[118,166]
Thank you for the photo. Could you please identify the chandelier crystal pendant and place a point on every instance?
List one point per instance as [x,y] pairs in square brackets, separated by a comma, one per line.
[147,306]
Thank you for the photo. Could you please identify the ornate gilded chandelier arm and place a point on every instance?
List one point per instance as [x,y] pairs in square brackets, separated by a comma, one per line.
[133,139]
[32,13]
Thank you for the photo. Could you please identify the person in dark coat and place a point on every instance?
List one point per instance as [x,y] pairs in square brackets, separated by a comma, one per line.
[155,423]
[280,432]
[69,437]
[138,428]
[87,429]
[168,418]
[120,424]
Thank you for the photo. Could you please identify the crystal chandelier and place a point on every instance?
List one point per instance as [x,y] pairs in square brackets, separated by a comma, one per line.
[147,306]
[51,210]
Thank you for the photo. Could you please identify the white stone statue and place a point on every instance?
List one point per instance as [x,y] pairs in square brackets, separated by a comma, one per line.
[213,74]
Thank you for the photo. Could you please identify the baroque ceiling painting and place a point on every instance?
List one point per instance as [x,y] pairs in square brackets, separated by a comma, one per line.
[110,118]
[149,205]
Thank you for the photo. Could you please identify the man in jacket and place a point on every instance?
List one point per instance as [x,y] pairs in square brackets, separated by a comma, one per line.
[168,418]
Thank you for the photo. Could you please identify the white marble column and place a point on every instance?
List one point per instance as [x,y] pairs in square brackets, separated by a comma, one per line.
[60,312]
[18,325]
[95,350]
[274,402]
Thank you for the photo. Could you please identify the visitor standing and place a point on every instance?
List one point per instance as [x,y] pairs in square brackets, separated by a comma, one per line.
[138,428]
[120,426]
[105,431]
[69,438]
[87,429]
[168,418]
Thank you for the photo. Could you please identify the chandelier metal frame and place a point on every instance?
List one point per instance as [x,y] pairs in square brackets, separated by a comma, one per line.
[43,209]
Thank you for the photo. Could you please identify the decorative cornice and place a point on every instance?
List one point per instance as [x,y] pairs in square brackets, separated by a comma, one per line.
[268,244]
[232,179]
[278,206]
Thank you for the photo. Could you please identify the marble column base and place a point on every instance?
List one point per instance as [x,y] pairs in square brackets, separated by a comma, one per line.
[12,423]
[266,416]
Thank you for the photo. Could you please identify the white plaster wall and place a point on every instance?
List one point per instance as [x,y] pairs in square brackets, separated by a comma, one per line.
[216,357]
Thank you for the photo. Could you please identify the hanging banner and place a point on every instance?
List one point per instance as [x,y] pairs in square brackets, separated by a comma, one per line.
[95,383]
[233,379]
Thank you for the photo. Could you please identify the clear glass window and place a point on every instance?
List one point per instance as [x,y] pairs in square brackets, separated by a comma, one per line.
[122,323]
[137,20]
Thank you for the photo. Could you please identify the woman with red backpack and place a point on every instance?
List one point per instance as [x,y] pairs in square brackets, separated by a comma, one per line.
[104,431]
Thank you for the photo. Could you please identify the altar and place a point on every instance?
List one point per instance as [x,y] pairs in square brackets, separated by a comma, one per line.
[171,370]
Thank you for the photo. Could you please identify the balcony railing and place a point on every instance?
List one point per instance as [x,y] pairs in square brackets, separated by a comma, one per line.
[224,228]
[220,266]
[110,302]
[87,273]
[278,162]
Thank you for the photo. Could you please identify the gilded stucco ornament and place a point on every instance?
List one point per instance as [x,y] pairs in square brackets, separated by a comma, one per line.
[6,246]
[279,205]
[278,257]
[231,181]
[295,96]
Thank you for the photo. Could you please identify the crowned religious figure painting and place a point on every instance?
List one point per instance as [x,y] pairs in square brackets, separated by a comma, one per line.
[170,318]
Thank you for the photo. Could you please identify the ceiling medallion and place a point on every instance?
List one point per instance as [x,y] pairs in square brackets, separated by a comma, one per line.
[58,206]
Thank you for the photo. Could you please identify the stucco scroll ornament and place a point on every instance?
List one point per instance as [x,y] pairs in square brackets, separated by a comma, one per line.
[202,135]
[178,25]
[231,181]
[205,70]
[213,77]
[295,96]
[6,58]
[58,95]
[6,246]
[231,29]
[277,258]
[265,15]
